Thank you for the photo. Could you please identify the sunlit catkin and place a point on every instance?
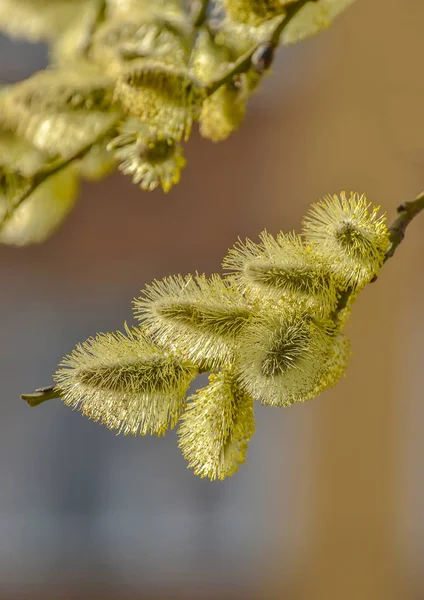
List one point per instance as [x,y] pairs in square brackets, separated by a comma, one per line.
[125,382]
[349,233]
[216,427]
[283,268]
[282,357]
[202,318]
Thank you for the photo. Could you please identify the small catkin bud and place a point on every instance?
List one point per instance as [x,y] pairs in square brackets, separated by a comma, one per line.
[125,382]
[282,357]
[283,268]
[216,427]
[165,97]
[151,161]
[350,235]
[202,318]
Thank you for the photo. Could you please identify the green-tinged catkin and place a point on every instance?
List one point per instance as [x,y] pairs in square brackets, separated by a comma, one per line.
[350,235]
[126,382]
[216,427]
[283,356]
[202,318]
[284,268]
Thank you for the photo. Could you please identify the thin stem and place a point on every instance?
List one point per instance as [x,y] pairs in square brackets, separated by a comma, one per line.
[40,177]
[244,63]
[406,212]
[41,395]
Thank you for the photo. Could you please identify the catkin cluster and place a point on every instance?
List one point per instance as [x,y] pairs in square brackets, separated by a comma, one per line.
[269,331]
[127,81]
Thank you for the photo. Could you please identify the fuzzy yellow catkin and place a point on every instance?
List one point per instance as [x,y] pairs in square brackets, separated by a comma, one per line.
[283,268]
[282,357]
[202,318]
[216,427]
[350,234]
[126,382]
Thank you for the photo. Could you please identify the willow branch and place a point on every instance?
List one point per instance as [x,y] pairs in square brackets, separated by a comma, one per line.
[41,395]
[406,212]
[47,172]
[243,64]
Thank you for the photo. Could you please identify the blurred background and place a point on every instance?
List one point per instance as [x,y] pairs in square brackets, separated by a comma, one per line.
[330,503]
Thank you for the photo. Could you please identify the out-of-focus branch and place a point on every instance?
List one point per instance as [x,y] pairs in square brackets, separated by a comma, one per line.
[47,172]
[267,48]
